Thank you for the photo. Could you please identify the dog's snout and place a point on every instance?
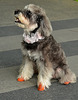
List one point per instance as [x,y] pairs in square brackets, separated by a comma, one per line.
[17,12]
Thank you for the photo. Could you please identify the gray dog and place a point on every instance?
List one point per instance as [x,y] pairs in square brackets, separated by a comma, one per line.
[40,50]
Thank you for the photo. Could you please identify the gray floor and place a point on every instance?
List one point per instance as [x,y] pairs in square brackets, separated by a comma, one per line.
[55,92]
[64,19]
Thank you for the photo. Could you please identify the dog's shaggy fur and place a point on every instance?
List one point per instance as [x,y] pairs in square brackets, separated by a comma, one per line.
[40,50]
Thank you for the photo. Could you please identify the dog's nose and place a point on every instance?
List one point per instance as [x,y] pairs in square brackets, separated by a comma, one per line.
[17,12]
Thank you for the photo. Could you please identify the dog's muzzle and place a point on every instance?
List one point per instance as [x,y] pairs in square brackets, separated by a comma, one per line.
[16,14]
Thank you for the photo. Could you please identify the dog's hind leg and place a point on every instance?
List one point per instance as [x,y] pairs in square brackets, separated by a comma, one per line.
[26,71]
[66,76]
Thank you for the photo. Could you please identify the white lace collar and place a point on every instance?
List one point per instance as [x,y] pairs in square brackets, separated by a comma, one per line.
[33,38]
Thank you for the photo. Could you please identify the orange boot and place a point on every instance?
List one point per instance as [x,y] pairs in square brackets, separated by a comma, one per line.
[41,88]
[66,83]
[21,79]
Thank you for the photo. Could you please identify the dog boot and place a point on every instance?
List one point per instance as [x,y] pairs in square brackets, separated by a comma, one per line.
[20,79]
[41,88]
[66,83]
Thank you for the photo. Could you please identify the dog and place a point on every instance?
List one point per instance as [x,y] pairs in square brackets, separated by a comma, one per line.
[41,52]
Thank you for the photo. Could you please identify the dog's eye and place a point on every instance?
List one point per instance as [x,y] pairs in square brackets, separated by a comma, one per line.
[39,18]
[28,13]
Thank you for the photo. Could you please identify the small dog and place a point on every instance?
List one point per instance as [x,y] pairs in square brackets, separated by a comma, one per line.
[40,50]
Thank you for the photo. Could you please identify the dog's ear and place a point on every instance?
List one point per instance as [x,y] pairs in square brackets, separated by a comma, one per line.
[46,26]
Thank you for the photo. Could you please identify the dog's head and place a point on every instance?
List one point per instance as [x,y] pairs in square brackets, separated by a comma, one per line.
[33,18]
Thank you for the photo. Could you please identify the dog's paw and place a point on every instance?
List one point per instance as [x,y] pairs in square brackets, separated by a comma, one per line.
[68,78]
[43,84]
[41,87]
[21,79]
[66,83]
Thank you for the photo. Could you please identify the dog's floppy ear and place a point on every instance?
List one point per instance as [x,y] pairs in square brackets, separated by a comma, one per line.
[46,26]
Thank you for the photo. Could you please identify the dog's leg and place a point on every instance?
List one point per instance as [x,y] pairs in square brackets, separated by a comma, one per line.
[44,76]
[66,76]
[26,71]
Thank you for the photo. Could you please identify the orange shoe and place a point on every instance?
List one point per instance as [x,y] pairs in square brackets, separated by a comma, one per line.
[20,79]
[41,88]
[66,83]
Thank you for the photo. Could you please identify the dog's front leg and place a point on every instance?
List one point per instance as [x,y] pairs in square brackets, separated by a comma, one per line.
[44,76]
[26,71]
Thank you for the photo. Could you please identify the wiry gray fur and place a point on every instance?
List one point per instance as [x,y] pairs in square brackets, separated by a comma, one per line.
[45,56]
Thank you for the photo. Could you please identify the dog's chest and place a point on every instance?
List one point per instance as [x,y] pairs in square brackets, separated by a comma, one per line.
[34,55]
